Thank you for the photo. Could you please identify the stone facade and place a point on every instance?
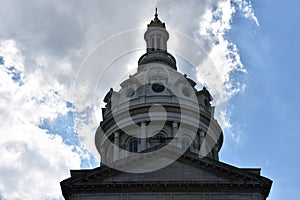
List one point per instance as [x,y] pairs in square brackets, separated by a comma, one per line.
[159,140]
[187,178]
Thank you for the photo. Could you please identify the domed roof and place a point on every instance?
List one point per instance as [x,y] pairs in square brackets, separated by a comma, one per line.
[156,22]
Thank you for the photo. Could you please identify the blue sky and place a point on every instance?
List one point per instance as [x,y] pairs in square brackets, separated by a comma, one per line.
[267,111]
[254,45]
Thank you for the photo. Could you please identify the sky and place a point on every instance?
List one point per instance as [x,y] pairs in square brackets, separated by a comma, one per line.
[46,131]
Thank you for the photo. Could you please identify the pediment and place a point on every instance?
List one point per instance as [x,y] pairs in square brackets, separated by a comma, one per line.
[175,172]
[188,168]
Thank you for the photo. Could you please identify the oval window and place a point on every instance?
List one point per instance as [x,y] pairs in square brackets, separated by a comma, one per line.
[157,87]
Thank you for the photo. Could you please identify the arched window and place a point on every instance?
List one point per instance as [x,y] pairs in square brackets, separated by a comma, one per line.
[133,146]
[159,135]
[157,139]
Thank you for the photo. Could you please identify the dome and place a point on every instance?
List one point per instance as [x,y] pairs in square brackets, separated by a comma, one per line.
[156,107]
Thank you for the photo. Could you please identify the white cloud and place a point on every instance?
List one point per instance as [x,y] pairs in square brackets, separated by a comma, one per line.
[33,162]
[213,26]
[247,10]
[46,41]
[30,158]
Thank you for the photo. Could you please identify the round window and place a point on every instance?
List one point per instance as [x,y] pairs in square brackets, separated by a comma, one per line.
[157,87]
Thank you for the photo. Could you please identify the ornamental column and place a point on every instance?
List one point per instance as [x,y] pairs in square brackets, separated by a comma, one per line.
[143,136]
[116,145]
[202,150]
[215,152]
[174,128]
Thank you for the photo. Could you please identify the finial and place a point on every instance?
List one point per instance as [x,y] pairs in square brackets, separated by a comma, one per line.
[156,15]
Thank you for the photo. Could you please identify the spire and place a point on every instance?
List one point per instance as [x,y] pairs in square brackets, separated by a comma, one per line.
[156,22]
[156,15]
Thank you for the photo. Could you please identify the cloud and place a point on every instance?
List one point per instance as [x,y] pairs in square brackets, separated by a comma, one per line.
[31,158]
[213,26]
[42,46]
[247,9]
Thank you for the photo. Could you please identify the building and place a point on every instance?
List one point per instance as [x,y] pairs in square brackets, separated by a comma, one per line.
[159,139]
